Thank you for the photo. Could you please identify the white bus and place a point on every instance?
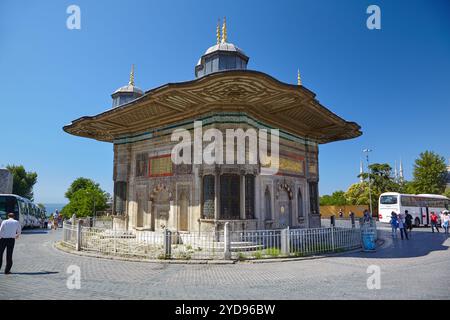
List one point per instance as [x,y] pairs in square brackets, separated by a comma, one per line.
[26,212]
[420,206]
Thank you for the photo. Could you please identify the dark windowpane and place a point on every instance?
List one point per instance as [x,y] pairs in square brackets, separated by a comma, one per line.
[268,205]
[141,165]
[208,197]
[249,197]
[313,198]
[120,196]
[300,204]
[229,197]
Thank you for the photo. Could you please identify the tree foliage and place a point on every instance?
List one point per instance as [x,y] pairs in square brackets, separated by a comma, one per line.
[83,195]
[430,172]
[23,181]
[335,199]
[381,180]
[358,194]
[447,193]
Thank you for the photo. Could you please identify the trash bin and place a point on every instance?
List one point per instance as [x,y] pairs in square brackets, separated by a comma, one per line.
[368,235]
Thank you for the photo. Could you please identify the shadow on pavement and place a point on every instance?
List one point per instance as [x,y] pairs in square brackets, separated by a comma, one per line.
[35,273]
[421,243]
[35,232]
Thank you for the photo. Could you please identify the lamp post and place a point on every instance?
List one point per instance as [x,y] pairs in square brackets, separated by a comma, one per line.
[366,151]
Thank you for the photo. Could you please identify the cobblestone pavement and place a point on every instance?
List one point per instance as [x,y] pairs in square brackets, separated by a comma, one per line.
[414,269]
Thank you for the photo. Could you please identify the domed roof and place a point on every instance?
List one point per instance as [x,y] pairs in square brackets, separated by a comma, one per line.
[221,56]
[129,88]
[223,46]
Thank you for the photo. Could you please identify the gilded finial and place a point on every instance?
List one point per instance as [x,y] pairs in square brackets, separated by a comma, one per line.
[299,80]
[131,83]
[224,30]
[218,31]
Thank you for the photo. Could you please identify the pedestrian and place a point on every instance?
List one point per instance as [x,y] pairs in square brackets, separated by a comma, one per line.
[366,216]
[341,213]
[408,222]
[434,222]
[55,220]
[46,223]
[445,221]
[394,224]
[402,226]
[9,232]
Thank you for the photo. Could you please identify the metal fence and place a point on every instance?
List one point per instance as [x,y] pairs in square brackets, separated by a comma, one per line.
[227,244]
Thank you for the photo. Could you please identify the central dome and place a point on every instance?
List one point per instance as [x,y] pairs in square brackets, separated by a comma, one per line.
[220,57]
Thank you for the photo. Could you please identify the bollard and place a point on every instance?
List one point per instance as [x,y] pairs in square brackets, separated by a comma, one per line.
[285,250]
[227,242]
[79,226]
[167,244]
[333,221]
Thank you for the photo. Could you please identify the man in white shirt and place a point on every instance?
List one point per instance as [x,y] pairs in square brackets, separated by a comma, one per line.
[9,232]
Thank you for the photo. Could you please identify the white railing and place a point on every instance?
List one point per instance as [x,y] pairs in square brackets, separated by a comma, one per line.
[70,235]
[235,245]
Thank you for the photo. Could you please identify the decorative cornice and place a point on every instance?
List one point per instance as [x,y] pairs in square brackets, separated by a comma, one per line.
[291,108]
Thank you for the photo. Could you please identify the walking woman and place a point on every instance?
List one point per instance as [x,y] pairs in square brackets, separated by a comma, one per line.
[402,226]
[394,224]
[434,222]
[445,221]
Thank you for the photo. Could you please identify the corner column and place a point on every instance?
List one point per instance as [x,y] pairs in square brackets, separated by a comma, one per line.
[242,202]
[217,196]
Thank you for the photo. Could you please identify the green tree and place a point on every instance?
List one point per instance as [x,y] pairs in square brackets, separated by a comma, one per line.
[430,172]
[78,184]
[358,194]
[447,192]
[84,194]
[23,181]
[337,198]
[381,181]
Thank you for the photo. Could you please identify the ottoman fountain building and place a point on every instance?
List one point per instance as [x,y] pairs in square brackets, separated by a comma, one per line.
[151,191]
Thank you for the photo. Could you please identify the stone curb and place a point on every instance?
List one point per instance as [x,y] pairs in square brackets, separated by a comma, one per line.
[59,246]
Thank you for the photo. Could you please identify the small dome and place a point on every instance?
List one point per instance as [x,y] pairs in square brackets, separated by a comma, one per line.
[129,89]
[221,56]
[229,47]
[127,93]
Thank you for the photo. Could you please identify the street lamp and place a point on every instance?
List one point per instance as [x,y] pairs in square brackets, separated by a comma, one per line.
[366,151]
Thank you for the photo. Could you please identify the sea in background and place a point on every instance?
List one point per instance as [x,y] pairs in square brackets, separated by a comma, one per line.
[52,207]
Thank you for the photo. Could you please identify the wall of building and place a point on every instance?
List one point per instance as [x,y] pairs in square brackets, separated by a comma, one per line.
[160,194]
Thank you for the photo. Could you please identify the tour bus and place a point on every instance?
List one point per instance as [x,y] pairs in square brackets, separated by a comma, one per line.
[26,212]
[420,206]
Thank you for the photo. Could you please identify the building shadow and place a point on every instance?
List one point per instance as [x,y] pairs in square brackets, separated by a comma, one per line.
[37,273]
[34,232]
[421,243]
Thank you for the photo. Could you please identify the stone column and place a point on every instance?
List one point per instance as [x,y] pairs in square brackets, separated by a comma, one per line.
[242,198]
[217,196]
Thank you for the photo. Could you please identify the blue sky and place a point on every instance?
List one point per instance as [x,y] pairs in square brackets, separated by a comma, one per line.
[394,82]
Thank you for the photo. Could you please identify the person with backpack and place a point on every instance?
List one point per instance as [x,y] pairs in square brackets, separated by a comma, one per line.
[394,224]
[402,226]
[408,221]
[434,222]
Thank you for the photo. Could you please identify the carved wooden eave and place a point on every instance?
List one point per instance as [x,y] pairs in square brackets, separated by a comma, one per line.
[288,107]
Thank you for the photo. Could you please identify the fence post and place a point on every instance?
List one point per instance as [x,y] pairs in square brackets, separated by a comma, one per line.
[285,250]
[167,244]
[79,226]
[226,241]
[332,238]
